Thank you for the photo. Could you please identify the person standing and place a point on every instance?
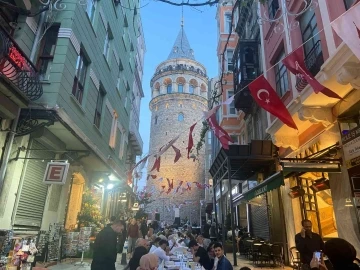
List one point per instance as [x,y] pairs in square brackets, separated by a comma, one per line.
[143,228]
[307,242]
[133,235]
[104,256]
[223,262]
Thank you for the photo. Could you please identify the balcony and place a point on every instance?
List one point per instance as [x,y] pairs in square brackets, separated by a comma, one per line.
[134,135]
[246,69]
[19,77]
[313,62]
[244,11]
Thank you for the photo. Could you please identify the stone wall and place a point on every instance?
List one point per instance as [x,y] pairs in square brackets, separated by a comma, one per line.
[164,127]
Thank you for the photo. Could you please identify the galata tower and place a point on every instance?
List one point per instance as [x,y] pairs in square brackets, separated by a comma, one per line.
[179,97]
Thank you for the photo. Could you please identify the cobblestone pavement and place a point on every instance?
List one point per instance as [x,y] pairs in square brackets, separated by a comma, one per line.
[70,265]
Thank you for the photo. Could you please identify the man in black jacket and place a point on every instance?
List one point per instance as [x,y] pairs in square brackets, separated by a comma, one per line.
[307,242]
[104,256]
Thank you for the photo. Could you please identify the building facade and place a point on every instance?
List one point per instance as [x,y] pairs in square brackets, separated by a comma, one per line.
[179,97]
[90,74]
[288,193]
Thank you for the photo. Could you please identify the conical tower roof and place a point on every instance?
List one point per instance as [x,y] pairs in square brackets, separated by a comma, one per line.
[181,48]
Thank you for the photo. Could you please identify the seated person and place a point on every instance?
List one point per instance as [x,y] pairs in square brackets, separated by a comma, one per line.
[155,244]
[203,242]
[162,251]
[223,262]
[200,255]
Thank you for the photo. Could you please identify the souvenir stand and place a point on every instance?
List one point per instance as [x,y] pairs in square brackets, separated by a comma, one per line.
[84,243]
[6,237]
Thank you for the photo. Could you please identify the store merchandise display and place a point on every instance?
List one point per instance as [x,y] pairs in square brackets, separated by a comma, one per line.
[84,239]
[6,237]
[55,231]
[71,243]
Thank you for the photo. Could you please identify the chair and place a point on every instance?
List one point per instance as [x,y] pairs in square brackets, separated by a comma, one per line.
[295,258]
[265,254]
[277,254]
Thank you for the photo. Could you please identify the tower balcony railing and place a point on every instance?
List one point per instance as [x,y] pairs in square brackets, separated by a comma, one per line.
[16,67]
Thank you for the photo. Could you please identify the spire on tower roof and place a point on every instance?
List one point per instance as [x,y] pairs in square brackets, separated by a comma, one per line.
[181,48]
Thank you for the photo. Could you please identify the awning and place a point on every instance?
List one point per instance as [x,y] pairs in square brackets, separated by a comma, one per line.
[274,181]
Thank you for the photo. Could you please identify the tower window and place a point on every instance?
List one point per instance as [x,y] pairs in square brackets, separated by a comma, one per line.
[180,88]
[181,117]
[156,120]
[191,89]
[169,88]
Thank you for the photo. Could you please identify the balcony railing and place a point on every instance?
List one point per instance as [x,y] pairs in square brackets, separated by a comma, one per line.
[313,62]
[17,67]
[246,69]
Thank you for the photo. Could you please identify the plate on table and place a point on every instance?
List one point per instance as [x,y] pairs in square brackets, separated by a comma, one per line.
[172,267]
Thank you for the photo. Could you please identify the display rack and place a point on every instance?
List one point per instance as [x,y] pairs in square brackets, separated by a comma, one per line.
[84,243]
[6,237]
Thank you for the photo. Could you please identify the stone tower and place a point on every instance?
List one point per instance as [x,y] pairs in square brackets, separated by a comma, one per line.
[179,97]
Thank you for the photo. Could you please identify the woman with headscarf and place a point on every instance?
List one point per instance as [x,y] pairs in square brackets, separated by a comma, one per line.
[148,262]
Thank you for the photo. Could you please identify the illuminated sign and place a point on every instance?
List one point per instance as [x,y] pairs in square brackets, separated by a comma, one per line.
[56,173]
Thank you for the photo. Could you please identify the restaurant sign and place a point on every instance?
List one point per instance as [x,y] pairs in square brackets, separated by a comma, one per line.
[273,182]
[351,147]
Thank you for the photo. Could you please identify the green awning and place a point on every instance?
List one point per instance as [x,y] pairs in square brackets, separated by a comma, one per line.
[274,181]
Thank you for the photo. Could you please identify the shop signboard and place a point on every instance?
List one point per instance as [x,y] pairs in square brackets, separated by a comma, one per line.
[56,173]
[247,185]
[351,147]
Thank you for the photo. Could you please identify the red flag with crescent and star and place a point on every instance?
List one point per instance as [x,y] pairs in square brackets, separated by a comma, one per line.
[296,65]
[266,97]
[348,28]
[219,132]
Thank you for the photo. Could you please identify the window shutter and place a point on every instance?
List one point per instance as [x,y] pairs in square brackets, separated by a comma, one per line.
[112,141]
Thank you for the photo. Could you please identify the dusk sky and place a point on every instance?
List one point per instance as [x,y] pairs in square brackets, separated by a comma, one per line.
[161,25]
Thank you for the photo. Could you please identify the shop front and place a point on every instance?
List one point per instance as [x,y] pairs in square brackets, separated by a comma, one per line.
[229,170]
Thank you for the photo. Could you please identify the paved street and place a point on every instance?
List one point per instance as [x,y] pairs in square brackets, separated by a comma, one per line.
[70,265]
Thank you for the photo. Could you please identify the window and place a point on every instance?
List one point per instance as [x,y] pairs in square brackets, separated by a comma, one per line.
[231,106]
[156,120]
[227,22]
[348,3]
[114,127]
[180,88]
[181,117]
[235,139]
[126,100]
[107,43]
[169,88]
[273,6]
[90,9]
[79,79]
[191,89]
[99,107]
[229,61]
[209,137]
[309,30]
[47,51]
[281,76]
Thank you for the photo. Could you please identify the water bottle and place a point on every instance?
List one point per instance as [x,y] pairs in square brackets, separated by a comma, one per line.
[197,267]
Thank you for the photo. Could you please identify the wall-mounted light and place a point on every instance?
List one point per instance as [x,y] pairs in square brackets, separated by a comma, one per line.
[109,186]
[101,180]
[320,185]
[296,192]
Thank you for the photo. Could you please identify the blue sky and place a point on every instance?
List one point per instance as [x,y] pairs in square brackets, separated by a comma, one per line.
[161,24]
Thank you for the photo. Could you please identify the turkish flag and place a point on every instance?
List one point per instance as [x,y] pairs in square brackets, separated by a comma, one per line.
[266,97]
[219,132]
[191,140]
[348,28]
[156,164]
[177,154]
[296,65]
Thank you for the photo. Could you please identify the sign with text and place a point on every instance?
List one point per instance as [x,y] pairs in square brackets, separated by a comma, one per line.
[351,147]
[56,173]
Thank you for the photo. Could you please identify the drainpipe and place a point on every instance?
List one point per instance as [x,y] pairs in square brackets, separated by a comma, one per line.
[7,150]
[37,35]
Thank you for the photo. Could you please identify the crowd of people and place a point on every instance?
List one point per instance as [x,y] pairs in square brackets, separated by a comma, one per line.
[151,245]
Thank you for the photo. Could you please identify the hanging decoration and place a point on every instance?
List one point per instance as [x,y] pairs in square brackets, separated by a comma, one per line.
[179,186]
[348,29]
[156,165]
[191,140]
[266,97]
[219,132]
[296,65]
[177,154]
[160,179]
